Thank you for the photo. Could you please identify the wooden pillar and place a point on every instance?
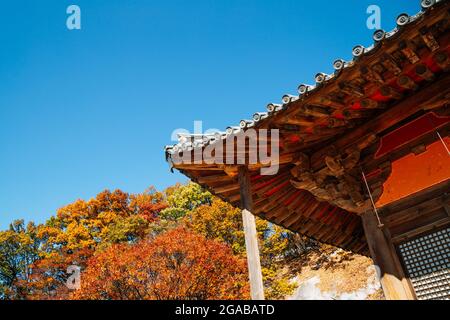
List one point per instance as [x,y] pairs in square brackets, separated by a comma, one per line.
[382,251]
[251,238]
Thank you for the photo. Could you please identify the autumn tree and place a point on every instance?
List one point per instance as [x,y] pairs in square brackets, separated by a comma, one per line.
[183,198]
[180,243]
[178,264]
[82,227]
[19,249]
[221,221]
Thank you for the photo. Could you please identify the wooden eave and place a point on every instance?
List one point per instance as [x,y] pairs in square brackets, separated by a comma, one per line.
[402,76]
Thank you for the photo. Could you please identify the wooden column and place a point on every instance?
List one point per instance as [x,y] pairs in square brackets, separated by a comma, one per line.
[251,239]
[382,251]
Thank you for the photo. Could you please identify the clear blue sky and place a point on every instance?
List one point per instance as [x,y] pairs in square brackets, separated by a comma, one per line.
[82,111]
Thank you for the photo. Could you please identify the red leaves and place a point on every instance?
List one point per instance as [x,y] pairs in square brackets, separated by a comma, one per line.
[112,239]
[176,265]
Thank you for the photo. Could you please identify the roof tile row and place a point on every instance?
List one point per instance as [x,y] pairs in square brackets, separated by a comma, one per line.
[187,142]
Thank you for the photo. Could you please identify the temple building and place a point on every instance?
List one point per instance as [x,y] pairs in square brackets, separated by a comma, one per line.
[362,156]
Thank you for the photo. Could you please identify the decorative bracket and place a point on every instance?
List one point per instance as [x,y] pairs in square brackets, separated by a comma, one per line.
[339,183]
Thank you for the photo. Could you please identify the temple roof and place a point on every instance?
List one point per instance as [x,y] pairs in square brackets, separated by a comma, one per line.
[341,112]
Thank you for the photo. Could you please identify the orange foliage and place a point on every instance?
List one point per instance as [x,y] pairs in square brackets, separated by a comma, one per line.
[82,227]
[50,275]
[178,264]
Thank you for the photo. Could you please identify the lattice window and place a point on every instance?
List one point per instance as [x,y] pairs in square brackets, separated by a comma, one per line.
[427,263]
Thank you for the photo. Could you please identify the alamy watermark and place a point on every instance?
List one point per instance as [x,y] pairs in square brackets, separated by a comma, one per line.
[374,20]
[74,280]
[257,147]
[73,21]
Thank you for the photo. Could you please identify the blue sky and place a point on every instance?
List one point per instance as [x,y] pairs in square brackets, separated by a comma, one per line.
[86,110]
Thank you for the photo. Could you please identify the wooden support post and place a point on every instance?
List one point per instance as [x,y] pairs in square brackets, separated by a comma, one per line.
[251,239]
[391,275]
